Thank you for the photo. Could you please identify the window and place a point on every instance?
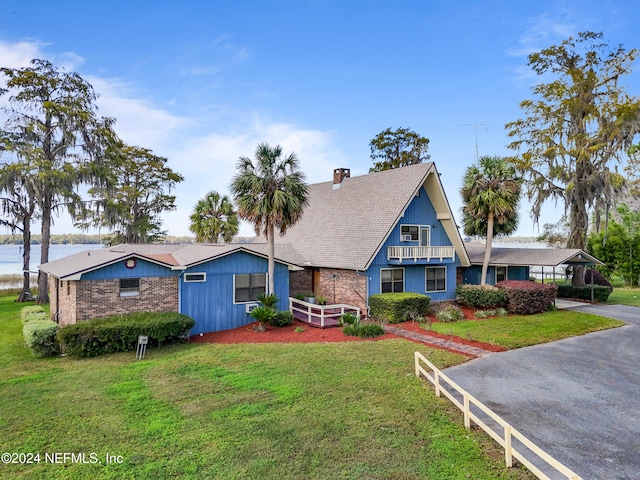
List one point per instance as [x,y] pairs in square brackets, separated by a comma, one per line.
[391,280]
[129,287]
[409,233]
[195,277]
[501,274]
[436,279]
[247,287]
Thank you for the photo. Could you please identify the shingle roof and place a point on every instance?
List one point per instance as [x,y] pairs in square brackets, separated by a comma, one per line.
[345,227]
[543,257]
[178,256]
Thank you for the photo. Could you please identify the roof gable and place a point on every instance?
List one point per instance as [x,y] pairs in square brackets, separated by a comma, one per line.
[346,227]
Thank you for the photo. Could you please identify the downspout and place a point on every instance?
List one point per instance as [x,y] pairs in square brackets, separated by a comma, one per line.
[366,298]
[180,291]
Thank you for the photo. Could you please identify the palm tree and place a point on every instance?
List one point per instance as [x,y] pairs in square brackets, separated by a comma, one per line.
[491,193]
[214,217]
[270,192]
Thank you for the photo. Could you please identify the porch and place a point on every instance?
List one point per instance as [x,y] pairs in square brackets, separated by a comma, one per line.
[323,316]
[415,253]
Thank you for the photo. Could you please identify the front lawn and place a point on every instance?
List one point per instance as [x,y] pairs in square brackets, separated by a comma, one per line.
[625,296]
[524,330]
[253,411]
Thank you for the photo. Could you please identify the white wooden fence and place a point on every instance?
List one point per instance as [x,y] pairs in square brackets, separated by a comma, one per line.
[320,315]
[505,434]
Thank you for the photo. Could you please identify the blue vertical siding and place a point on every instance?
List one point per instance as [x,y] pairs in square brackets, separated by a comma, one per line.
[419,212]
[210,303]
[143,269]
[473,275]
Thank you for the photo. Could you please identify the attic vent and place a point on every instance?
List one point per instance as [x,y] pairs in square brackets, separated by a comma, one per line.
[339,174]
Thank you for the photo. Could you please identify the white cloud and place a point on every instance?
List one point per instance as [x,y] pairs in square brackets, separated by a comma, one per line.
[206,158]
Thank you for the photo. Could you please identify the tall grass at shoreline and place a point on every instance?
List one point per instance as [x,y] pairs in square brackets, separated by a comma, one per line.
[12,281]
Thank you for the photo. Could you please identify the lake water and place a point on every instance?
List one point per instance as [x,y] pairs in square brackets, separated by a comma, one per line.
[11,256]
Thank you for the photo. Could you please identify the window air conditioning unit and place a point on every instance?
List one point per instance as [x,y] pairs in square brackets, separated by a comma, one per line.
[406,238]
[250,306]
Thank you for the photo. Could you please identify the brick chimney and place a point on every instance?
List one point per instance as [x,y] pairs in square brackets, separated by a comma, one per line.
[339,174]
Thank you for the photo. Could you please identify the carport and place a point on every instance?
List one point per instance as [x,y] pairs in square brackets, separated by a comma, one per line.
[521,260]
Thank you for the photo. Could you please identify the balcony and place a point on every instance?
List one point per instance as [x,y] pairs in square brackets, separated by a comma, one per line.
[420,253]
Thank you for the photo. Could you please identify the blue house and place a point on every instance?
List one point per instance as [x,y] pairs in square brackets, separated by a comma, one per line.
[390,231]
[215,284]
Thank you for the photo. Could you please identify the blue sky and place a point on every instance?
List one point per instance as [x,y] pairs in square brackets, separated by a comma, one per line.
[202,83]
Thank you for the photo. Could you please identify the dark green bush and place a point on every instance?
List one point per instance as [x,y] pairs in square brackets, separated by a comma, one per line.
[600,293]
[281,319]
[528,297]
[363,330]
[39,331]
[393,307]
[481,296]
[120,333]
[41,338]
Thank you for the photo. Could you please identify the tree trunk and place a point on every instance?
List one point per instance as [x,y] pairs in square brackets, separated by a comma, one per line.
[25,295]
[487,250]
[43,291]
[578,225]
[271,258]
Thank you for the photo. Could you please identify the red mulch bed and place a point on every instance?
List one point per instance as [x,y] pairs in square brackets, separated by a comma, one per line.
[247,334]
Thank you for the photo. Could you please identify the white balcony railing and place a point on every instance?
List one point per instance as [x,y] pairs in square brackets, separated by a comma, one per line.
[420,253]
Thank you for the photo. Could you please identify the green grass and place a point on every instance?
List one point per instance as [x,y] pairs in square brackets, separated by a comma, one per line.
[625,296]
[521,331]
[249,411]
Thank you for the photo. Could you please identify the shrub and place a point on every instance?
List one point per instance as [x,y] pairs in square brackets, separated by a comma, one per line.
[33,312]
[281,319]
[349,319]
[481,296]
[269,301]
[120,333]
[449,313]
[600,293]
[320,300]
[497,312]
[39,331]
[598,278]
[262,314]
[393,307]
[528,297]
[363,330]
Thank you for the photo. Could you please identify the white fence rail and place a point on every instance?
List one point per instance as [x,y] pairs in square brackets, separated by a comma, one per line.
[420,253]
[504,434]
[320,315]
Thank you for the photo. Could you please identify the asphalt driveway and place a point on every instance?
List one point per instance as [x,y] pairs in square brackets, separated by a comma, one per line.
[578,399]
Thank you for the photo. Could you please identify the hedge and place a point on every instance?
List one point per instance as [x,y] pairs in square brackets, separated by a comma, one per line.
[393,307]
[481,296]
[39,332]
[525,297]
[120,333]
[600,293]
[33,312]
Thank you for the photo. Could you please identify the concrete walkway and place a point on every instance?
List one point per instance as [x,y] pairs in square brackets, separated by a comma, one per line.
[437,342]
[575,398]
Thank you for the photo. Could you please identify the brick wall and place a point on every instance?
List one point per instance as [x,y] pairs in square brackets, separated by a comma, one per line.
[350,287]
[64,311]
[83,300]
